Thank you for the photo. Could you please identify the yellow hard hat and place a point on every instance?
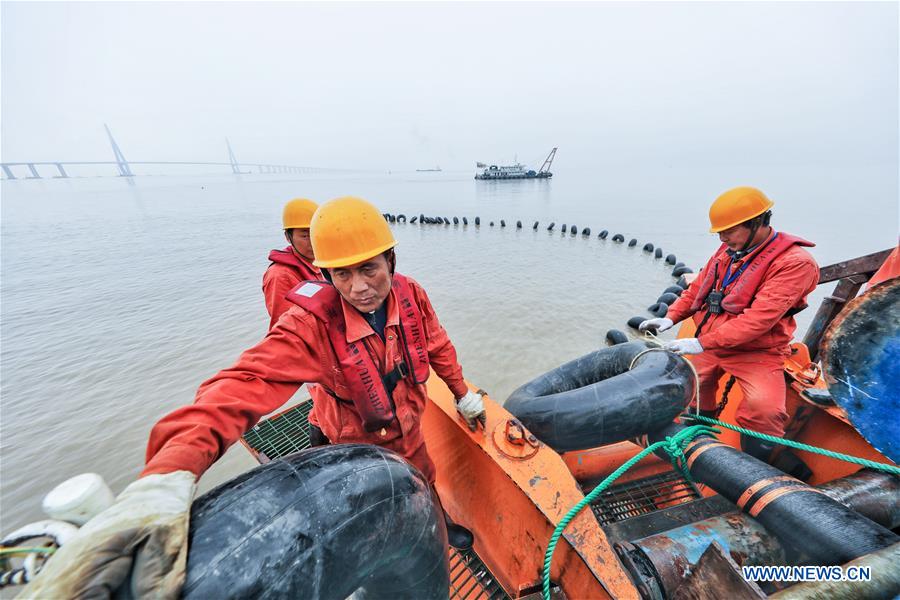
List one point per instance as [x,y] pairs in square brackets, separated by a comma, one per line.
[298,213]
[348,230]
[736,206]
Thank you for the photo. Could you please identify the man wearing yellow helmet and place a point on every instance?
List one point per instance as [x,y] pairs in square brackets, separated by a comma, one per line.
[369,340]
[743,303]
[294,264]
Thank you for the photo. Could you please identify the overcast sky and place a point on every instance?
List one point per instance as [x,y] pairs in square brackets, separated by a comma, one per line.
[400,86]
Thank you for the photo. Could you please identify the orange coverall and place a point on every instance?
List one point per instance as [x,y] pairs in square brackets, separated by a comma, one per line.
[296,351]
[752,345]
[281,278]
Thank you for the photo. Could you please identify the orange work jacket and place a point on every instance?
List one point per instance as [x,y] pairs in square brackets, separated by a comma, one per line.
[297,351]
[767,324]
[287,270]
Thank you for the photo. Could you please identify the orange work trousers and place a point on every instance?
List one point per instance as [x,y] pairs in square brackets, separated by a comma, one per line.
[761,378]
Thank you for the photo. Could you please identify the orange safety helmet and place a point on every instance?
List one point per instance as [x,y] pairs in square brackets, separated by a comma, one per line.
[737,206]
[348,230]
[298,213]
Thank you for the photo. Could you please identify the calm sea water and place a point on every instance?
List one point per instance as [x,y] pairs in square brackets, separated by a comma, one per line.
[119,298]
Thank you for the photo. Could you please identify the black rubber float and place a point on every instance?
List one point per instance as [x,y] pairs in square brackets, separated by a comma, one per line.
[668,297]
[618,238]
[535,226]
[614,337]
[658,253]
[634,322]
[502,223]
[586,231]
[465,221]
[679,271]
[492,223]
[682,283]
[413,220]
[518,224]
[602,235]
[607,396]
[478,220]
[673,289]
[401,218]
[573,230]
[670,259]
[456,220]
[550,226]
[632,243]
[277,532]
[648,247]
[564,228]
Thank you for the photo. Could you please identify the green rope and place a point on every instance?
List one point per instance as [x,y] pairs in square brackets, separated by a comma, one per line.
[26,550]
[674,447]
[800,446]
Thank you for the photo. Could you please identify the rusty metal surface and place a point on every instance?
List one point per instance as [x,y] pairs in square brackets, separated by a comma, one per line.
[717,576]
[867,265]
[861,363]
[674,553]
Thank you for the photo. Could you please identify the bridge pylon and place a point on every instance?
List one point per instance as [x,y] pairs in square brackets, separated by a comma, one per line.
[235,167]
[124,168]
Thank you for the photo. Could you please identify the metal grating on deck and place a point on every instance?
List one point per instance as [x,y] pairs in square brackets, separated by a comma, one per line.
[643,496]
[282,434]
[470,579]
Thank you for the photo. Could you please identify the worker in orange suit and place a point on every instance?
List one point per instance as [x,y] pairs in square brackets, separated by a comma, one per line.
[294,264]
[743,303]
[370,340]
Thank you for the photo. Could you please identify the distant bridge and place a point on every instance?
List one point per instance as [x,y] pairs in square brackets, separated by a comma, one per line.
[123,166]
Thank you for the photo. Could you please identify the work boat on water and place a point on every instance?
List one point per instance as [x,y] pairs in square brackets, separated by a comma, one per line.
[563,497]
[516,171]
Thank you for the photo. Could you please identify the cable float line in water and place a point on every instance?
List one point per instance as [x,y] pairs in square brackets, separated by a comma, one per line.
[802,518]
[602,398]
[320,524]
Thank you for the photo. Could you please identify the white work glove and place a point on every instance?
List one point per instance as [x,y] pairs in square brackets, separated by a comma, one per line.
[684,346]
[471,407]
[659,325]
[146,526]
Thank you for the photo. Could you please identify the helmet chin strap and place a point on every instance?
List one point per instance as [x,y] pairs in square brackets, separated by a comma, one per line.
[748,246]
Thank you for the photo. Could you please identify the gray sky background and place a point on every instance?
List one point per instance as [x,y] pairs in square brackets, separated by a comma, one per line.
[401,86]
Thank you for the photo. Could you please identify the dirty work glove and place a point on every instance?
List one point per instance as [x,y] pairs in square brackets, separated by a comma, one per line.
[684,346]
[657,325]
[471,407]
[147,527]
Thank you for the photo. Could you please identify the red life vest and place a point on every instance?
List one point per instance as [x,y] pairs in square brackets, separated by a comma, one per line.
[740,294]
[370,391]
[289,257]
